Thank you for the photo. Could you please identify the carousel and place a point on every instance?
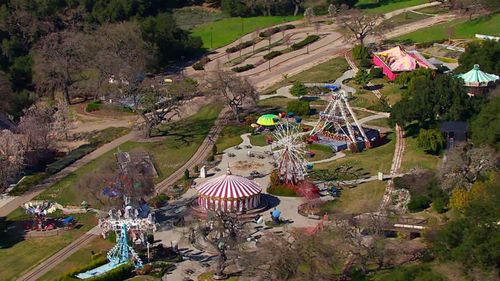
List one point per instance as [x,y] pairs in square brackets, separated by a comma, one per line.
[229,193]
[478,81]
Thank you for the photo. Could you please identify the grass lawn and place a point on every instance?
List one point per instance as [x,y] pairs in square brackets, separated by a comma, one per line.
[405,18]
[373,160]
[462,29]
[231,136]
[258,140]
[415,157]
[225,31]
[80,258]
[325,72]
[18,258]
[382,122]
[385,6]
[365,99]
[363,198]
[321,152]
[434,10]
[181,140]
[391,90]
[280,102]
[189,17]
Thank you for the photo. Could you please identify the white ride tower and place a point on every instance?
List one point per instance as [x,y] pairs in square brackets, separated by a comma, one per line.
[337,116]
[289,152]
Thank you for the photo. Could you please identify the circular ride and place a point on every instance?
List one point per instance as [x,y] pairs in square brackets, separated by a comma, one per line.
[289,152]
[229,193]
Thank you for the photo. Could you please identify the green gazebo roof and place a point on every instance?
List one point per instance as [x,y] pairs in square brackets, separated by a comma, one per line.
[477,78]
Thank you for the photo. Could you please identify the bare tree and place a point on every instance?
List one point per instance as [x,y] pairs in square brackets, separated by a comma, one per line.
[59,63]
[235,91]
[470,7]
[297,4]
[36,128]
[464,165]
[332,10]
[358,25]
[161,105]
[308,15]
[11,157]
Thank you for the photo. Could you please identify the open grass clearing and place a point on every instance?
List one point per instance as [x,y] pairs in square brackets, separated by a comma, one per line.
[80,258]
[188,17]
[462,29]
[373,160]
[406,18]
[382,122]
[321,152]
[325,72]
[225,31]
[362,198]
[179,142]
[434,10]
[231,136]
[258,140]
[389,89]
[385,6]
[415,157]
[279,102]
[18,258]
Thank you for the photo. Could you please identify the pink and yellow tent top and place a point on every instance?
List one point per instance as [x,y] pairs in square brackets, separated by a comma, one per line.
[397,60]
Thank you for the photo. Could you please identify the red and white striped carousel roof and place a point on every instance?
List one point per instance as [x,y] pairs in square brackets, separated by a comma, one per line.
[229,186]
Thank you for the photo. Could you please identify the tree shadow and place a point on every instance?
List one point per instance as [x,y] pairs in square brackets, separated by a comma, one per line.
[272,201]
[11,233]
[374,87]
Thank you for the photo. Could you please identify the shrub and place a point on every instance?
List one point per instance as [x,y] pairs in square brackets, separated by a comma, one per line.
[282,190]
[299,107]
[365,63]
[308,40]
[272,55]
[159,200]
[198,66]
[419,203]
[298,89]
[93,106]
[93,264]
[274,30]
[243,68]
[70,158]
[186,174]
[360,52]
[376,72]
[240,46]
[431,140]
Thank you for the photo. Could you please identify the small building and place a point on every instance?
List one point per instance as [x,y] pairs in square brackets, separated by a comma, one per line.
[478,81]
[454,132]
[397,60]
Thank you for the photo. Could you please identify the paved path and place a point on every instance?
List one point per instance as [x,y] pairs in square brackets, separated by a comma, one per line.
[63,254]
[17,201]
[408,9]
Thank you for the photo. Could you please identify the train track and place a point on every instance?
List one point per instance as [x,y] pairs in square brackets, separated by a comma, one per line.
[54,260]
[200,155]
[396,165]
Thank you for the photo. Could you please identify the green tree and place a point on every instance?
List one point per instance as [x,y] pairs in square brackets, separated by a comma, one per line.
[485,128]
[298,89]
[299,107]
[186,174]
[362,77]
[431,140]
[20,72]
[360,52]
[485,53]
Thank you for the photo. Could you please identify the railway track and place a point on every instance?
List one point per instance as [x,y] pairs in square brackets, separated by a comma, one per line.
[200,155]
[54,260]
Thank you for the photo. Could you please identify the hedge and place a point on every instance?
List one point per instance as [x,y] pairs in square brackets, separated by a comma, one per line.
[120,273]
[243,68]
[70,158]
[281,191]
[274,30]
[93,106]
[200,65]
[70,275]
[272,55]
[27,183]
[308,40]
[240,46]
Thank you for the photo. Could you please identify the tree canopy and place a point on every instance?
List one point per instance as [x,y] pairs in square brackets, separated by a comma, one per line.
[485,127]
[485,53]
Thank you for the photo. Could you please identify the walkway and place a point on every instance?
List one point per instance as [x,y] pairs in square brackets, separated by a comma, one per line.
[14,202]
[63,254]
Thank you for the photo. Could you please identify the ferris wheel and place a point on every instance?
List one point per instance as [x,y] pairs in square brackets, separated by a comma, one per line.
[289,151]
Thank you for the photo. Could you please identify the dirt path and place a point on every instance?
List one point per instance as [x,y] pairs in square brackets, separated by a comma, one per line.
[60,256]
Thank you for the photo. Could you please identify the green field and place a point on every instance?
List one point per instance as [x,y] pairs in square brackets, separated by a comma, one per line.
[321,152]
[180,142]
[225,31]
[415,157]
[385,6]
[325,72]
[462,29]
[406,18]
[231,136]
[18,258]
[371,161]
[80,258]
[363,198]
